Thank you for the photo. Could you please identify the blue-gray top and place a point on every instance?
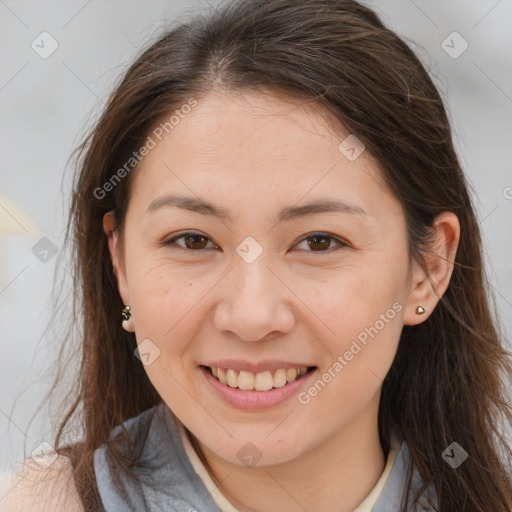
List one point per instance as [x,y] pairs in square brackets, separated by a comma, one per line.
[169,482]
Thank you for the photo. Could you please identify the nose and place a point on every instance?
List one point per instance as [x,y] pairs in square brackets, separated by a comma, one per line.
[254,303]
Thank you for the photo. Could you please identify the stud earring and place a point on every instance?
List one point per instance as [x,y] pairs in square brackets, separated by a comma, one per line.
[420,310]
[127,323]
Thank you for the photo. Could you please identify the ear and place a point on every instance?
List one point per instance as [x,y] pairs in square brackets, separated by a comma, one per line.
[428,285]
[109,227]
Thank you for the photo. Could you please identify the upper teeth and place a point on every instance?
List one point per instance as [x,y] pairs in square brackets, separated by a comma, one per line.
[262,381]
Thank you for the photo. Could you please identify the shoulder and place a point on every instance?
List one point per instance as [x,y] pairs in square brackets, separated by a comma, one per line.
[43,486]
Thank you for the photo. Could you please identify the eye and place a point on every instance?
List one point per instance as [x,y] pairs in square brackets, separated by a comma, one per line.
[195,241]
[320,242]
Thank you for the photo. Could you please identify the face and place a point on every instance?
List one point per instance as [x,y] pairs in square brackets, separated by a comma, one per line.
[257,282]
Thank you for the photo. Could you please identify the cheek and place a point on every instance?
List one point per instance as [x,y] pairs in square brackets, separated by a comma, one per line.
[364,313]
[354,301]
[170,294]
[365,340]
[359,360]
[167,305]
[167,301]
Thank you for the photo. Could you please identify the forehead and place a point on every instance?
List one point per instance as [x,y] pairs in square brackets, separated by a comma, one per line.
[259,145]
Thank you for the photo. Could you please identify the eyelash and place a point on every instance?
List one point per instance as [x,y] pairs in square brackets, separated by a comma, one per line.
[341,243]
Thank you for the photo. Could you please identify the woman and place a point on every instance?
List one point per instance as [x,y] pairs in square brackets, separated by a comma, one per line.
[283,298]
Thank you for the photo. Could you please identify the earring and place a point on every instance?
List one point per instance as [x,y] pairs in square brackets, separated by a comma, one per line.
[126,313]
[420,310]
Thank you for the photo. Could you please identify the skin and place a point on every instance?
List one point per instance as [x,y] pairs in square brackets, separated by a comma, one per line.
[254,154]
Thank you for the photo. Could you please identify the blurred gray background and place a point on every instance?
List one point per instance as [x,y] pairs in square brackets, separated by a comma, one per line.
[47,98]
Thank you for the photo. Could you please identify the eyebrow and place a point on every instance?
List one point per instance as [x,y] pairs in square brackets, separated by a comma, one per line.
[197,205]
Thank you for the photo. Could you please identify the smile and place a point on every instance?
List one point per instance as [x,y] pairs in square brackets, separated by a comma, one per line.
[259,389]
[261,381]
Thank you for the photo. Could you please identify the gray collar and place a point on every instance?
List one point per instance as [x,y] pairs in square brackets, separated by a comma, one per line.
[178,488]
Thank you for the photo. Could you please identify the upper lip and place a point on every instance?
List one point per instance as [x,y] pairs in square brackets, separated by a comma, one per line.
[261,366]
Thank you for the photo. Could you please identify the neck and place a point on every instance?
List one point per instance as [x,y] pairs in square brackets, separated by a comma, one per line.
[336,476]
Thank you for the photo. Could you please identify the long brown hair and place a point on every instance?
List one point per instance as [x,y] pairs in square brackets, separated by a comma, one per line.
[447,382]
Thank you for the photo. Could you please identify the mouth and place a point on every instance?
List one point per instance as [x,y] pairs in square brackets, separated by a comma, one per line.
[263,381]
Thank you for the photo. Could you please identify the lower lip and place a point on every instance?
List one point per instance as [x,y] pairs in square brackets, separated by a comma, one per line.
[252,400]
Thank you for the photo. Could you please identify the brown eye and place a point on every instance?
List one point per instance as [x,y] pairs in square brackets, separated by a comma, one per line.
[321,242]
[191,241]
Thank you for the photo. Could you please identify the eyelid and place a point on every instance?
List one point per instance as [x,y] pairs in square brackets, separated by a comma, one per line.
[341,243]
